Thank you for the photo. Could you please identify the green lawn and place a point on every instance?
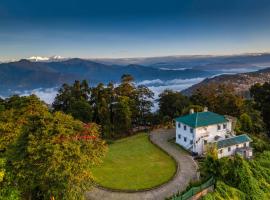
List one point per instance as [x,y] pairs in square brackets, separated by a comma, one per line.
[134,163]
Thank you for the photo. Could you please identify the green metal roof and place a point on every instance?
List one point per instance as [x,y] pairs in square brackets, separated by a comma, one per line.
[233,141]
[200,119]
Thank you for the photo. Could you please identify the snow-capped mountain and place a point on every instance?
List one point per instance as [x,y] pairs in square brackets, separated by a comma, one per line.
[45,59]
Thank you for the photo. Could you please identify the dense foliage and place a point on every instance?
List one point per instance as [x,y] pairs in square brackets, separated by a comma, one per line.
[261,95]
[74,100]
[225,192]
[219,98]
[172,104]
[45,154]
[117,109]
[239,178]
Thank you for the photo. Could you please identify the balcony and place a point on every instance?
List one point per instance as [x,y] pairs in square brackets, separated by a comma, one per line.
[204,134]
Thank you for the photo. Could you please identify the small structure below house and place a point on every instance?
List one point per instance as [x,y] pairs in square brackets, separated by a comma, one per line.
[196,130]
[245,152]
[238,144]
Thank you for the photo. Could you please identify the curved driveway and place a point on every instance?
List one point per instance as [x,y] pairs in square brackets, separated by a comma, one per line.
[186,171]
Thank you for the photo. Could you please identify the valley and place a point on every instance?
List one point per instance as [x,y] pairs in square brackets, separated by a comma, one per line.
[43,76]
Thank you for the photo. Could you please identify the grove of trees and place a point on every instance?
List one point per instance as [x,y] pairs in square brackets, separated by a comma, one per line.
[117,109]
[172,104]
[219,98]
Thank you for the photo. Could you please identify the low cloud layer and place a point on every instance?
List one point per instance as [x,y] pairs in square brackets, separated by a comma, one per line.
[170,82]
[157,86]
[47,95]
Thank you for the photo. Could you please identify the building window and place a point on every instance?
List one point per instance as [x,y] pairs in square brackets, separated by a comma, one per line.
[191,142]
[237,146]
[179,136]
[220,151]
[218,127]
[205,142]
[179,125]
[229,148]
[224,126]
[185,127]
[185,139]
[191,130]
[245,144]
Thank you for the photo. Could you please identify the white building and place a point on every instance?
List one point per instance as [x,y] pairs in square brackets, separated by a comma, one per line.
[195,130]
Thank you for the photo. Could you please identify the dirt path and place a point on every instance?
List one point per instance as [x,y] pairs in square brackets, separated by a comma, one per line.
[186,171]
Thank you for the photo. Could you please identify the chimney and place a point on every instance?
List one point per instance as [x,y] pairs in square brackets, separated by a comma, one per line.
[205,109]
[191,111]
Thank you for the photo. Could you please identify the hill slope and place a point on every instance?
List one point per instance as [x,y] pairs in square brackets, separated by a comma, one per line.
[241,82]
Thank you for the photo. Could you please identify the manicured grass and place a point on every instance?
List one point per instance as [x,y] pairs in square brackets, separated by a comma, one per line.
[134,163]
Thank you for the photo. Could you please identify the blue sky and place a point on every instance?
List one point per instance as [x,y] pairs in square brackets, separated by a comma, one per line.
[122,28]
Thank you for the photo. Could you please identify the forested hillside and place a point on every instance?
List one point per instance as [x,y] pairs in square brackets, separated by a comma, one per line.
[240,82]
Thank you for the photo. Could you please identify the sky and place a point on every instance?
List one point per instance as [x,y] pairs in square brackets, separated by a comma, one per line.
[132,28]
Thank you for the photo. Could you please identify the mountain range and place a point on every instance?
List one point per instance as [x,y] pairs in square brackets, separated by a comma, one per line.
[194,61]
[27,75]
[158,73]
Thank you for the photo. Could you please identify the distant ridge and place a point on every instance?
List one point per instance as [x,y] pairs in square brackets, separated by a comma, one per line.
[51,72]
[27,75]
[241,82]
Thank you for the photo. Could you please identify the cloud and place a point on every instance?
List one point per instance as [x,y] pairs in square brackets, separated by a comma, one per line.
[239,70]
[150,82]
[174,84]
[42,58]
[47,95]
[174,69]
[184,81]
[170,82]
[156,85]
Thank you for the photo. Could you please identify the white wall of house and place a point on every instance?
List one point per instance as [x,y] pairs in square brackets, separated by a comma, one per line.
[184,135]
[197,138]
[228,151]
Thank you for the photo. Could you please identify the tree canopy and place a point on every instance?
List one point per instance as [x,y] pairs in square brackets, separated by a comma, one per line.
[47,154]
[239,178]
[172,103]
[261,95]
[117,108]
[219,98]
[73,99]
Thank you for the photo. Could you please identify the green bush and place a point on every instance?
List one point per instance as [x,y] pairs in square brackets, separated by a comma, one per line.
[224,192]
[240,178]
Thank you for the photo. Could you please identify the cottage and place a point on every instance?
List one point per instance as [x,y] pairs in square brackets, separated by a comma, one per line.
[239,144]
[197,129]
